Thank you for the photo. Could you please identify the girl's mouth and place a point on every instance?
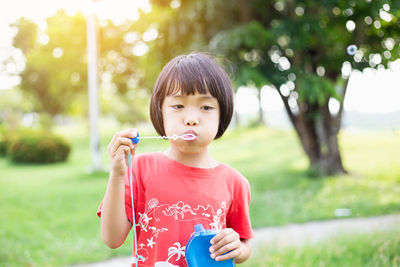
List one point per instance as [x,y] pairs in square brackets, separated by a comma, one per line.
[188,136]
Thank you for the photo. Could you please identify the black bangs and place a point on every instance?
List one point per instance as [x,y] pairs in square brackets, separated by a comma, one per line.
[190,74]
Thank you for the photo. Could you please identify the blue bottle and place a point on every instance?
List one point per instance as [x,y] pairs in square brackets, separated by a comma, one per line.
[197,249]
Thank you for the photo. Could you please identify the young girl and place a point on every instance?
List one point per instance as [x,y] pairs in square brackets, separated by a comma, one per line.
[183,186]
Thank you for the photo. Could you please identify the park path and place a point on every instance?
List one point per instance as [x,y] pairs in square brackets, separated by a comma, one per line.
[297,234]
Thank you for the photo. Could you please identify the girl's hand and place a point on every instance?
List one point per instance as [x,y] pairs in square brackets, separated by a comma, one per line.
[225,241]
[119,149]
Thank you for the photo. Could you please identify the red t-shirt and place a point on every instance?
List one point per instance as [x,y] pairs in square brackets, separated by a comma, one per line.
[170,198]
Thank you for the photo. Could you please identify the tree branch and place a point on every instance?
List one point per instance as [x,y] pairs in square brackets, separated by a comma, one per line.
[285,101]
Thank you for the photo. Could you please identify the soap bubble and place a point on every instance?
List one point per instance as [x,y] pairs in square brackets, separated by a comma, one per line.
[351,50]
[188,137]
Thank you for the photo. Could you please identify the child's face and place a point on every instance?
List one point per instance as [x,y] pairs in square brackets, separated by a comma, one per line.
[197,114]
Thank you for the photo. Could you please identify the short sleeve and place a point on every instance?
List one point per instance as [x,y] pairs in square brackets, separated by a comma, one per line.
[100,209]
[238,217]
[128,200]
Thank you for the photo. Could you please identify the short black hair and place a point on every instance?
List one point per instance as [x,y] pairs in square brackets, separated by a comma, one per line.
[196,72]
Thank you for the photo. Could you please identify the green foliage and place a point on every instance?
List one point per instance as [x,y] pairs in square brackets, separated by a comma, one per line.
[29,146]
[246,44]
[315,90]
[125,95]
[55,77]
[253,35]
[310,35]
[244,37]
[26,37]
[12,109]
[5,141]
[3,147]
[55,71]
[131,109]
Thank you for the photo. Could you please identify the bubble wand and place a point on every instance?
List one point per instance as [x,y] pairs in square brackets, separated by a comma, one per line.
[186,137]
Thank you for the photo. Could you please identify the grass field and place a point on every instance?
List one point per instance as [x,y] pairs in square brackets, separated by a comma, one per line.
[380,249]
[48,211]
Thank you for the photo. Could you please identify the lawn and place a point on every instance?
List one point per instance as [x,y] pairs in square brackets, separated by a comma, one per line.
[357,250]
[48,211]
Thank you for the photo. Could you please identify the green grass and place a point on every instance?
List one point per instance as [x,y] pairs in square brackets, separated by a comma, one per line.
[380,249]
[48,211]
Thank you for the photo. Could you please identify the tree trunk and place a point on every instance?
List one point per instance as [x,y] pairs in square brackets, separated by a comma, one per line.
[319,140]
[317,130]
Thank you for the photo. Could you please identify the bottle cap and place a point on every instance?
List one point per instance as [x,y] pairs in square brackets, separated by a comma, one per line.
[198,228]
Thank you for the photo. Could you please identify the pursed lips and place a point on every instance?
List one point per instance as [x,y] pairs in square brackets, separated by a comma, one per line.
[191,132]
[192,135]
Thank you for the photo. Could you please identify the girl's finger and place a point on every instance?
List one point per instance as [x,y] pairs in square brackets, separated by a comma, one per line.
[228,247]
[221,235]
[233,254]
[121,141]
[225,240]
[121,153]
[127,133]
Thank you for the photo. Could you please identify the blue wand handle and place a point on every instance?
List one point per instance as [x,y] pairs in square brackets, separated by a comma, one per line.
[136,139]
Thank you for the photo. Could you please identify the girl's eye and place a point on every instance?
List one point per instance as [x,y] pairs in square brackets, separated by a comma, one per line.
[207,108]
[177,106]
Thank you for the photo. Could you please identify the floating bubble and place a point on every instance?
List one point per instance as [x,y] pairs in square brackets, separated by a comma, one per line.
[351,50]
[350,25]
[187,137]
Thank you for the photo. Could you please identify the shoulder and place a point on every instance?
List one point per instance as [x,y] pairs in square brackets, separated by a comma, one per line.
[148,159]
[147,156]
[235,177]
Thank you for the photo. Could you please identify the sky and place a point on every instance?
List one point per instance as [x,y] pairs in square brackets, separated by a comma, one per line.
[368,92]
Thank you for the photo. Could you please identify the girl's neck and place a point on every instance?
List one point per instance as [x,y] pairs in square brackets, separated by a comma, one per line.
[199,160]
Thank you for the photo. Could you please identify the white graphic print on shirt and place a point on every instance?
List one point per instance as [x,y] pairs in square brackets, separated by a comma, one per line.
[179,211]
[172,251]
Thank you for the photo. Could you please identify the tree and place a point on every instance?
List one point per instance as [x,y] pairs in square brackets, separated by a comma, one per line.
[129,73]
[12,109]
[54,77]
[300,48]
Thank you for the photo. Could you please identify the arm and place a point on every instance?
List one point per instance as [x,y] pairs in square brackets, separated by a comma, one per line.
[229,241]
[114,222]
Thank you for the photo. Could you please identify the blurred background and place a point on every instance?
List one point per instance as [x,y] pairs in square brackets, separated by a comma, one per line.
[316,125]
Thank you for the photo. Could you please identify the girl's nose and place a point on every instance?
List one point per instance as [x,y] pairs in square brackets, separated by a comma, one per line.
[191,121]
